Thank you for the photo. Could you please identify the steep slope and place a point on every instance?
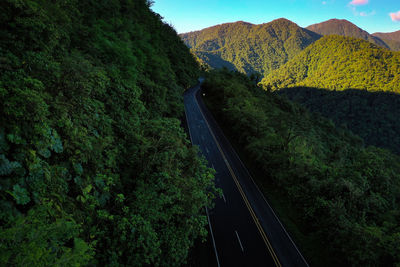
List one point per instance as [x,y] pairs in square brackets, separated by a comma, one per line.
[250,48]
[95,169]
[374,116]
[338,63]
[345,195]
[344,28]
[392,39]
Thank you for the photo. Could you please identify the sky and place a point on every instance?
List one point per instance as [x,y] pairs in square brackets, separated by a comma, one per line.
[191,15]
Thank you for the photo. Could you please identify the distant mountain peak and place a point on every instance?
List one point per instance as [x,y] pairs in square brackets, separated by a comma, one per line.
[282,20]
[334,25]
[345,28]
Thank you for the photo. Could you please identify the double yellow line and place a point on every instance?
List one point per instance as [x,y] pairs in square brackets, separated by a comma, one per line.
[246,201]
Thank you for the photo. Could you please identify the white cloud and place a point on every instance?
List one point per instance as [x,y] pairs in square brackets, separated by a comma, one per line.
[358,2]
[395,16]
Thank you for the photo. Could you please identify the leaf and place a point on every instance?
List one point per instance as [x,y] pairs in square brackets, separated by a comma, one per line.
[20,195]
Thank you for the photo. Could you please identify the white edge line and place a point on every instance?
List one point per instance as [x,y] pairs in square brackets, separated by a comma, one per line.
[273,212]
[208,217]
[240,243]
[212,235]
[223,196]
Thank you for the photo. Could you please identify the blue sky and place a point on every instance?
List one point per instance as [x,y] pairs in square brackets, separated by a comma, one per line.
[190,15]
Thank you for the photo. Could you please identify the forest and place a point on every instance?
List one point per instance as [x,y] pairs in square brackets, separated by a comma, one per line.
[345,194]
[95,167]
[250,48]
[339,63]
[374,116]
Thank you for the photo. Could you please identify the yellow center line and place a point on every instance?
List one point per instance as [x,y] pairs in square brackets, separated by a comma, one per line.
[246,201]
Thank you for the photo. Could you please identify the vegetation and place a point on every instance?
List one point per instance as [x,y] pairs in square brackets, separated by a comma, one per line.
[250,48]
[371,115]
[339,63]
[347,195]
[345,28]
[95,168]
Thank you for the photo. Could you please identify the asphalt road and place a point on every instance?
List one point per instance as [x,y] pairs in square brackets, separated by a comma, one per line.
[244,228]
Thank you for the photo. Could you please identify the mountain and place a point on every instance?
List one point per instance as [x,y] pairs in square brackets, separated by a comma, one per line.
[392,39]
[394,36]
[338,63]
[344,28]
[250,48]
[95,167]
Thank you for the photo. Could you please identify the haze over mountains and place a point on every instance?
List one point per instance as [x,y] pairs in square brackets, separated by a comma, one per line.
[265,47]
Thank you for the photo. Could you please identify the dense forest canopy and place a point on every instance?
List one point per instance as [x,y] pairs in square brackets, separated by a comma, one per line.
[347,195]
[374,116]
[94,165]
[338,63]
[250,48]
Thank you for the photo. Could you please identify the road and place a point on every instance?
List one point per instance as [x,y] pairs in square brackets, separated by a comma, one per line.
[244,228]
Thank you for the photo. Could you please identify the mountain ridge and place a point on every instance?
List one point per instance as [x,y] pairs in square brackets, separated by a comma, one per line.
[251,47]
[265,47]
[344,28]
[337,63]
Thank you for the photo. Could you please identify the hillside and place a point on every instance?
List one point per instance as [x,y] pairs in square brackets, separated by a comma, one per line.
[338,63]
[374,116]
[95,168]
[345,28]
[343,197]
[250,48]
[392,39]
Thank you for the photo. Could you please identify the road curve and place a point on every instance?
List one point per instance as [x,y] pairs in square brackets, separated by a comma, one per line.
[244,228]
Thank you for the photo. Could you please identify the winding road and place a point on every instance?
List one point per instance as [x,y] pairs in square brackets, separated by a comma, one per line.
[245,230]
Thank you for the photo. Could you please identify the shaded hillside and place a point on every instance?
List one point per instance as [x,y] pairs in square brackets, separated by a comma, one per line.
[346,196]
[392,39]
[250,48]
[95,169]
[213,60]
[338,63]
[374,116]
[344,28]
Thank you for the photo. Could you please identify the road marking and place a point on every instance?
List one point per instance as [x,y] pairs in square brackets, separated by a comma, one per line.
[212,235]
[240,243]
[223,196]
[265,200]
[207,150]
[202,137]
[212,166]
[208,216]
[246,201]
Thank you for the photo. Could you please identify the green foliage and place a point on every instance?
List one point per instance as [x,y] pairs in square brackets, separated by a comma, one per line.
[339,63]
[371,115]
[95,167]
[250,48]
[347,195]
